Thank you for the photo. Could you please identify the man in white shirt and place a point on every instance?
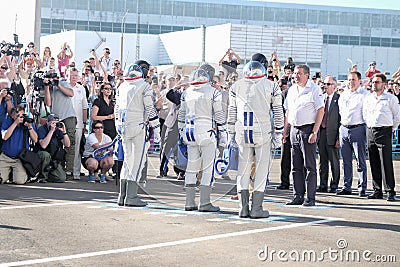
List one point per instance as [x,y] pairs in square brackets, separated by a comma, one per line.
[80,105]
[382,113]
[352,134]
[304,106]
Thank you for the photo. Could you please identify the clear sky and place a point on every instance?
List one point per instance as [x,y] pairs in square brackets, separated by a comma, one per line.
[25,10]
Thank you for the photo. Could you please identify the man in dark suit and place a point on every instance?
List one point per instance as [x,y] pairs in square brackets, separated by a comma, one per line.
[328,143]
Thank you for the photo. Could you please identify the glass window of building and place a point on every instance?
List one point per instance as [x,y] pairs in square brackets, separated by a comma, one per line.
[386,42]
[119,5]
[395,42]
[366,20]
[177,9]
[395,22]
[354,40]
[94,26]
[323,17]
[386,21]
[70,4]
[376,20]
[154,29]
[334,18]
[117,27]
[69,24]
[365,41]
[106,26]
[201,10]
[301,16]
[375,41]
[333,39]
[82,5]
[82,25]
[58,4]
[94,5]
[189,9]
[129,27]
[166,8]
[344,40]
[312,17]
[46,3]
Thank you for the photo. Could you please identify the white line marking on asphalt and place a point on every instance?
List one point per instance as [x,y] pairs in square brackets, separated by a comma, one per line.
[164,244]
[216,220]
[238,222]
[45,205]
[63,189]
[175,215]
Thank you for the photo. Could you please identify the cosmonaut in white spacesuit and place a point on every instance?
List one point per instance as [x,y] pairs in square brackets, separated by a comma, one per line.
[135,109]
[200,113]
[251,100]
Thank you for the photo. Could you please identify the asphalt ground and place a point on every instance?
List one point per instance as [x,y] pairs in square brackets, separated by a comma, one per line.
[79,224]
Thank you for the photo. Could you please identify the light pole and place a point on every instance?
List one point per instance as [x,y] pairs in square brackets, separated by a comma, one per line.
[122,35]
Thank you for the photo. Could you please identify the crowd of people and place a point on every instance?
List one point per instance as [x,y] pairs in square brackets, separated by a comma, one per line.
[47,100]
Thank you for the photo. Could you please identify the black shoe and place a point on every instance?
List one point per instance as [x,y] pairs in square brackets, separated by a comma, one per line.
[282,187]
[375,195]
[162,174]
[391,197]
[181,176]
[322,190]
[362,194]
[296,201]
[343,192]
[333,190]
[309,203]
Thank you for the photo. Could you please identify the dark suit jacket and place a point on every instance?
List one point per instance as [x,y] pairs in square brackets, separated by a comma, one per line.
[333,121]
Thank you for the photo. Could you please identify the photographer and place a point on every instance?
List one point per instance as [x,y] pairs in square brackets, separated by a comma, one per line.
[12,131]
[52,140]
[7,69]
[58,95]
[6,102]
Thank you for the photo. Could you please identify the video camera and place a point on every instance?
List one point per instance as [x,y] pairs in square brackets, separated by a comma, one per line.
[38,79]
[13,49]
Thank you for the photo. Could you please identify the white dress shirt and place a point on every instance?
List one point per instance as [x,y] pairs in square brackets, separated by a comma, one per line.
[382,111]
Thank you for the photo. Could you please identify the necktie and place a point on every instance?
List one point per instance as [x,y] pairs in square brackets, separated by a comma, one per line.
[325,118]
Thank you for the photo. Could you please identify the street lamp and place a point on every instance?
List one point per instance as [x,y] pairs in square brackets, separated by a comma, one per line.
[122,35]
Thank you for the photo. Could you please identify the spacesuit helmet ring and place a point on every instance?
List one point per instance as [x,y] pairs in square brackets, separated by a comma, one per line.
[254,70]
[134,72]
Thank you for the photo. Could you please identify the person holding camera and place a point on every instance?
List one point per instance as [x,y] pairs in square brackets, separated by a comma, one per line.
[6,102]
[52,140]
[231,63]
[58,95]
[106,61]
[371,70]
[12,132]
[275,63]
[64,57]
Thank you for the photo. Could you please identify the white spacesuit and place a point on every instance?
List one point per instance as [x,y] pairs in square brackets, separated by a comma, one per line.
[201,108]
[135,108]
[249,124]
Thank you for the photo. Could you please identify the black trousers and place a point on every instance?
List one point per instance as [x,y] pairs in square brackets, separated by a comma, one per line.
[379,142]
[286,162]
[304,165]
[328,155]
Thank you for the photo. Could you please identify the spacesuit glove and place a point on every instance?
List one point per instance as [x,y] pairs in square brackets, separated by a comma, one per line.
[276,140]
[156,135]
[232,138]
[223,138]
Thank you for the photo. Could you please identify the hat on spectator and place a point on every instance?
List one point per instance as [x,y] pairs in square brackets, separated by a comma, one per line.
[52,117]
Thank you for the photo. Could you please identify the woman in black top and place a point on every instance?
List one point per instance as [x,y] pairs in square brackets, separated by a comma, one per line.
[103,110]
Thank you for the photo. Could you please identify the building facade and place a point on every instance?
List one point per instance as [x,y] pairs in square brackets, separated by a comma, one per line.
[357,35]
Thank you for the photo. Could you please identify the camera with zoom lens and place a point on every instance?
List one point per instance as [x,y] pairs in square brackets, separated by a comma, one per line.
[27,119]
[59,124]
[10,92]
[38,79]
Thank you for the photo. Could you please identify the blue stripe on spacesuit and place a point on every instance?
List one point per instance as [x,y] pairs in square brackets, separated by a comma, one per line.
[251,124]
[246,135]
[192,128]
[248,121]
